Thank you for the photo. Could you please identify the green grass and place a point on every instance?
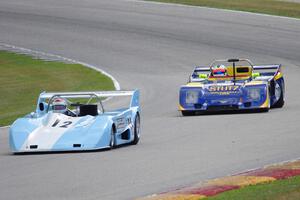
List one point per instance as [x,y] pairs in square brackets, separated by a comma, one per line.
[287,189]
[273,7]
[23,78]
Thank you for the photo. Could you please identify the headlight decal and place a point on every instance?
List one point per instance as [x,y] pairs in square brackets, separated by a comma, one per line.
[191,96]
[256,94]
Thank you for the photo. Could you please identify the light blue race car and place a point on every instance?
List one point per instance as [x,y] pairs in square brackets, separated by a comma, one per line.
[77,121]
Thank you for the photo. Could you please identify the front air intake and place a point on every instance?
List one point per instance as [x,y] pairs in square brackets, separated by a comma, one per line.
[247,104]
[33,146]
[222,108]
[198,106]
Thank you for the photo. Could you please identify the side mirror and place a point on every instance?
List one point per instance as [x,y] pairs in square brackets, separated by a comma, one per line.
[41,107]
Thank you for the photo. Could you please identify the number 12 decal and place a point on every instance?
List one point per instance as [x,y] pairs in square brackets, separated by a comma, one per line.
[64,124]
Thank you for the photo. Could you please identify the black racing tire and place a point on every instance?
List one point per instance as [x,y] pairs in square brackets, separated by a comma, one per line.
[112,142]
[136,129]
[188,113]
[280,102]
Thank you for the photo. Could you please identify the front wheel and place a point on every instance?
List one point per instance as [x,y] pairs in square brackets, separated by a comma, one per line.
[279,95]
[112,143]
[137,129]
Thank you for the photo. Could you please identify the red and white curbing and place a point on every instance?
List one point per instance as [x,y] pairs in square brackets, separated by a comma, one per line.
[216,186]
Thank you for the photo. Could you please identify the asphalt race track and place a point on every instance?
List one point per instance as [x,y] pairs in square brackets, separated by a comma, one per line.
[153,47]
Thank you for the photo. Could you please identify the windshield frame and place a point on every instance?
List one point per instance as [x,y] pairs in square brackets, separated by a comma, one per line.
[88,96]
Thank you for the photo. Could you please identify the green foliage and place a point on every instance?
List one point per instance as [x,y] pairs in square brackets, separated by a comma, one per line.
[277,190]
[23,78]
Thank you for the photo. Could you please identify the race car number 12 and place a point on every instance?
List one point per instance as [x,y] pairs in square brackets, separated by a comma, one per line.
[64,124]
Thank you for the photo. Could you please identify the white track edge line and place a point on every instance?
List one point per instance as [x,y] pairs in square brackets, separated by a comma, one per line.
[25,50]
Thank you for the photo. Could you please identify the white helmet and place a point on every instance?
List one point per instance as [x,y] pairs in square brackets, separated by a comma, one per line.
[59,105]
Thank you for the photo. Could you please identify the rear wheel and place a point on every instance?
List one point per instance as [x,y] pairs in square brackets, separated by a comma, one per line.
[188,113]
[137,129]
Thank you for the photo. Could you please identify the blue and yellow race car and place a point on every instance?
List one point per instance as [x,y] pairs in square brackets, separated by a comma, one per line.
[233,84]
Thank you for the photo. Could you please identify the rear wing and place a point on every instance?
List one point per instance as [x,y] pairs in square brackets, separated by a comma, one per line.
[134,101]
[269,71]
[262,71]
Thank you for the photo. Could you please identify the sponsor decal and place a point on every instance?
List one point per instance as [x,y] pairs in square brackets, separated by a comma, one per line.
[224,89]
[128,120]
[121,123]
[223,101]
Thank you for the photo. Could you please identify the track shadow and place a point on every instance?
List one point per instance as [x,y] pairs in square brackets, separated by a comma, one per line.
[224,112]
[68,152]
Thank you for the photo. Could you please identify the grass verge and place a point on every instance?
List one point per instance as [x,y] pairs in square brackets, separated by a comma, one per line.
[23,78]
[272,7]
[277,190]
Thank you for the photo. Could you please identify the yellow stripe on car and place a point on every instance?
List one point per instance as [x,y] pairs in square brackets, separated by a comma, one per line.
[266,104]
[181,108]
[194,84]
[278,76]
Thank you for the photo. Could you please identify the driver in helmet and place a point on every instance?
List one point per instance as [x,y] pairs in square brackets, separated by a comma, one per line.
[219,70]
[60,105]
